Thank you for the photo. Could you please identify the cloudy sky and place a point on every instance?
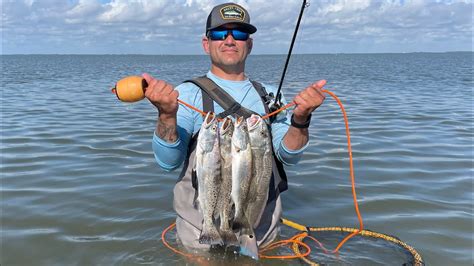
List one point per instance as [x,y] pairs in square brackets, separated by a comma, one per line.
[176,27]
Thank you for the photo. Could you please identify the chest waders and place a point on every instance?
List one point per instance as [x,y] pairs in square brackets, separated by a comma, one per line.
[186,187]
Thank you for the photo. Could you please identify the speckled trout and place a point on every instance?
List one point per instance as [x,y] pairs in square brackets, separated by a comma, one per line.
[208,172]
[241,176]
[224,204]
[261,147]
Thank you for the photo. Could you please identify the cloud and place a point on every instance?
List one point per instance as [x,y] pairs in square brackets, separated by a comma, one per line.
[407,24]
[83,9]
[152,26]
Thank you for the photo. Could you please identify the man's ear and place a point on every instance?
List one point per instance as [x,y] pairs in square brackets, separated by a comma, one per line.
[250,44]
[205,44]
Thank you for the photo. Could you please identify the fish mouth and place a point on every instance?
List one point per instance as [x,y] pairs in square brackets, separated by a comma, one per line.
[209,119]
[226,125]
[239,121]
[253,121]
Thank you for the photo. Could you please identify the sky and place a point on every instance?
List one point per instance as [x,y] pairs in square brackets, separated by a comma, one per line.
[176,27]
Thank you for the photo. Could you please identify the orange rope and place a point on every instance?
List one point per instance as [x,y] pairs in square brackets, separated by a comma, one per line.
[274,245]
[264,117]
[282,243]
[351,167]
[192,107]
[163,238]
[303,235]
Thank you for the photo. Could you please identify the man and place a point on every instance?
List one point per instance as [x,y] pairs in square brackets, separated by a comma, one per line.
[228,43]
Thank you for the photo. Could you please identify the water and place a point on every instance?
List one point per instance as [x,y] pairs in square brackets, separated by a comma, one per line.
[80,185]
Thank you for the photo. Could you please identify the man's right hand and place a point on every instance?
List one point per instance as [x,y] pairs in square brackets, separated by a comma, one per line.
[162,95]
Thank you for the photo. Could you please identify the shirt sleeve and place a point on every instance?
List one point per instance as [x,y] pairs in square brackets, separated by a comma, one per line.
[170,156]
[279,128]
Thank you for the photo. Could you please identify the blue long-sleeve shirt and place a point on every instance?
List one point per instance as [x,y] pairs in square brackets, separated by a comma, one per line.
[171,155]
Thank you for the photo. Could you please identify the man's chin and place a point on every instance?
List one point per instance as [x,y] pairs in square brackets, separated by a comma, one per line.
[231,61]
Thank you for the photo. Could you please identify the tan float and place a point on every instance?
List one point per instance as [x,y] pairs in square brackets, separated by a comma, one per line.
[130,89]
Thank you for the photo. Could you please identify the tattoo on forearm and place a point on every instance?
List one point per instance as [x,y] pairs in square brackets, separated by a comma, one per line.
[167,132]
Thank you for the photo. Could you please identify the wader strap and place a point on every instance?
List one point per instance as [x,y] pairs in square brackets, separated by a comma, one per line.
[207,102]
[262,92]
[221,97]
[265,97]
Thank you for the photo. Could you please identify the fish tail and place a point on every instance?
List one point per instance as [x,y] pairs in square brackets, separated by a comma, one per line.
[210,235]
[229,238]
[248,247]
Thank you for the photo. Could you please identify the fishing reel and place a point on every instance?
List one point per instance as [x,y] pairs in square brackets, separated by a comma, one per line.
[274,103]
[130,89]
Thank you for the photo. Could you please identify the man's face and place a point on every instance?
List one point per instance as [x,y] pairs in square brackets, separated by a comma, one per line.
[228,52]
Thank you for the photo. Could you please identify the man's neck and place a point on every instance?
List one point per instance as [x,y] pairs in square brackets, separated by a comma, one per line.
[228,74]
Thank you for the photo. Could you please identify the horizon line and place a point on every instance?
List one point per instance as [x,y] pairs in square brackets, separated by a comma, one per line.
[334,53]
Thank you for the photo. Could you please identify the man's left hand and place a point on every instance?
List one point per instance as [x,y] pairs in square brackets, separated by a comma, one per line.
[308,100]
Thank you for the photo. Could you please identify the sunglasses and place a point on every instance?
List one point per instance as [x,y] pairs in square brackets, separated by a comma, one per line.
[220,35]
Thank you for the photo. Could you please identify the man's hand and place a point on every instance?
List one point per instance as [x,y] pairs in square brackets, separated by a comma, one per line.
[308,100]
[162,95]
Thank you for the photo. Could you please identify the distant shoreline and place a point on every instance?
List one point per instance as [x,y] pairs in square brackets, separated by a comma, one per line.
[452,52]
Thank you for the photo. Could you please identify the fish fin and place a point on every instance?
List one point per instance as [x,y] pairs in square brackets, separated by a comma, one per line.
[210,235]
[229,238]
[248,246]
[238,222]
[196,190]
[232,210]
[241,223]
[196,200]
[194,179]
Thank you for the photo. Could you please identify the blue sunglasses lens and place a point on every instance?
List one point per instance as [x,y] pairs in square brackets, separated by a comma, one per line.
[220,35]
[217,35]
[240,35]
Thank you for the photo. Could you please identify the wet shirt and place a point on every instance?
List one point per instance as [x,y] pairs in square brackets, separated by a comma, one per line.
[171,155]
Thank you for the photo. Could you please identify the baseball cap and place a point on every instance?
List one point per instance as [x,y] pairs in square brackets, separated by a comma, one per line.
[229,13]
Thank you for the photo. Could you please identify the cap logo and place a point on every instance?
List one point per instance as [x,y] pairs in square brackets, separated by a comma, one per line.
[232,12]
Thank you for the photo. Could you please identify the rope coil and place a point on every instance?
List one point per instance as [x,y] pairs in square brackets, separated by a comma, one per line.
[417,259]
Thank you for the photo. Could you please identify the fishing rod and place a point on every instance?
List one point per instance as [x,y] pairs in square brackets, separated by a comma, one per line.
[277,103]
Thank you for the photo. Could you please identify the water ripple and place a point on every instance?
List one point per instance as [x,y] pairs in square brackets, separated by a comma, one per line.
[80,184]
